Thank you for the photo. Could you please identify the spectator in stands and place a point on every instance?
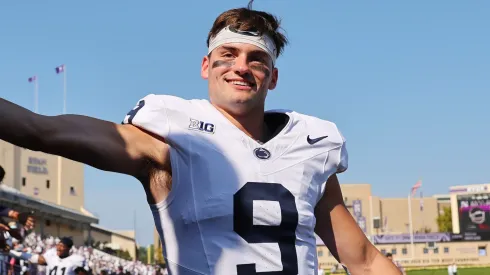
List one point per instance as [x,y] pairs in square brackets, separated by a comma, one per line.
[26,219]
[120,270]
[4,259]
[97,261]
[13,229]
[397,263]
[81,271]
[2,174]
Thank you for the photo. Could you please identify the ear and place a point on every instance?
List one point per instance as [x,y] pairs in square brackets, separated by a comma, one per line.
[275,76]
[205,67]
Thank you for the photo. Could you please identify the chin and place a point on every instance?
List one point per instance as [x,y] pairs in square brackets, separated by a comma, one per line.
[243,97]
[239,108]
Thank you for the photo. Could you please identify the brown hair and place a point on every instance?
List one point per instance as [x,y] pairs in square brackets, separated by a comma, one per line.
[246,19]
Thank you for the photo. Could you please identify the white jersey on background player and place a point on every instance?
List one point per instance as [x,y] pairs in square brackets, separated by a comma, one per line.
[238,207]
[62,266]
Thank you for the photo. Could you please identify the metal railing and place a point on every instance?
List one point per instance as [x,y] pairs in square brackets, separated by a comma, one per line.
[9,266]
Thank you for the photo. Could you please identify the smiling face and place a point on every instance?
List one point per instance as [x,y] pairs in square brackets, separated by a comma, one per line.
[62,250]
[239,76]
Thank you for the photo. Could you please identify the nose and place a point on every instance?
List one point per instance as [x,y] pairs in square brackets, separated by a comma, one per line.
[241,65]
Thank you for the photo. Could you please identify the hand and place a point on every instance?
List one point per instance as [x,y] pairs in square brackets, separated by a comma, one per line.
[30,223]
[25,219]
[4,227]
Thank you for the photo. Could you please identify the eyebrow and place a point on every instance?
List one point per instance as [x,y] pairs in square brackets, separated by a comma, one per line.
[228,48]
[235,49]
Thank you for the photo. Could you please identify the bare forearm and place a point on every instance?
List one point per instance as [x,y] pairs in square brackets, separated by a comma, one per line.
[99,143]
[341,234]
[32,258]
[29,130]
[376,263]
[383,265]
[19,125]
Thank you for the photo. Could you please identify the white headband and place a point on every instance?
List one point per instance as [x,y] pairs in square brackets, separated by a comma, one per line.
[231,35]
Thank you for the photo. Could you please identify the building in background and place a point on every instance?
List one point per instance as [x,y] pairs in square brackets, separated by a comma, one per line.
[380,216]
[386,222]
[53,188]
[42,176]
[103,238]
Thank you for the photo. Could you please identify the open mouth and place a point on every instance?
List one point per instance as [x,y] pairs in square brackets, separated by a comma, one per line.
[241,84]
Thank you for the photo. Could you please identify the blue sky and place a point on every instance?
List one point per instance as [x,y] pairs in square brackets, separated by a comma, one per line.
[407,83]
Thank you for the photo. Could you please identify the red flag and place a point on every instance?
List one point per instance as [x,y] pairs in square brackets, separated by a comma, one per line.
[416,186]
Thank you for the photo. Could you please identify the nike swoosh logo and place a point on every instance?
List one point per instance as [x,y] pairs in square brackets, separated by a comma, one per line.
[314,140]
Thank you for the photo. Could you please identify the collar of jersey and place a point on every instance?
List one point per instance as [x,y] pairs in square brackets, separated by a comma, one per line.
[256,143]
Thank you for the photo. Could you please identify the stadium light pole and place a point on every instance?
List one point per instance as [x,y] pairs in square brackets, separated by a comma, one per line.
[58,70]
[64,89]
[371,223]
[33,79]
[36,96]
[410,223]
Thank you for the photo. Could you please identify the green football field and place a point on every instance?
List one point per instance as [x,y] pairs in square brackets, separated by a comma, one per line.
[461,271]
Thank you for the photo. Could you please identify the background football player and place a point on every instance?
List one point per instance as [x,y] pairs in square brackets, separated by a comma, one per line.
[57,259]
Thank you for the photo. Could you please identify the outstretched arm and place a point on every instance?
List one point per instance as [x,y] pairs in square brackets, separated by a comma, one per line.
[32,258]
[24,218]
[5,211]
[343,237]
[98,143]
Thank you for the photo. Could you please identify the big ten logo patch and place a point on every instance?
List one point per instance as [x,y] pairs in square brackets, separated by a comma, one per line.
[202,126]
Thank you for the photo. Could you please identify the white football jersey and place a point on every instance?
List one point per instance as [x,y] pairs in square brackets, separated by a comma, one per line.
[239,207]
[59,266]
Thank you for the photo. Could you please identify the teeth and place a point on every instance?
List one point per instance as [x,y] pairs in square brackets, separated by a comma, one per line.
[241,83]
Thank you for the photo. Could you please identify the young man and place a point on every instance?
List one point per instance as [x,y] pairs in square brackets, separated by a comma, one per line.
[233,189]
[57,259]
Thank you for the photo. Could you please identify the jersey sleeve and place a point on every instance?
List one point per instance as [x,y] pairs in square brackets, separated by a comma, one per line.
[78,261]
[150,114]
[49,254]
[343,157]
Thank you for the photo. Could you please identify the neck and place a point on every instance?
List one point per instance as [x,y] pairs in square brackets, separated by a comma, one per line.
[252,124]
